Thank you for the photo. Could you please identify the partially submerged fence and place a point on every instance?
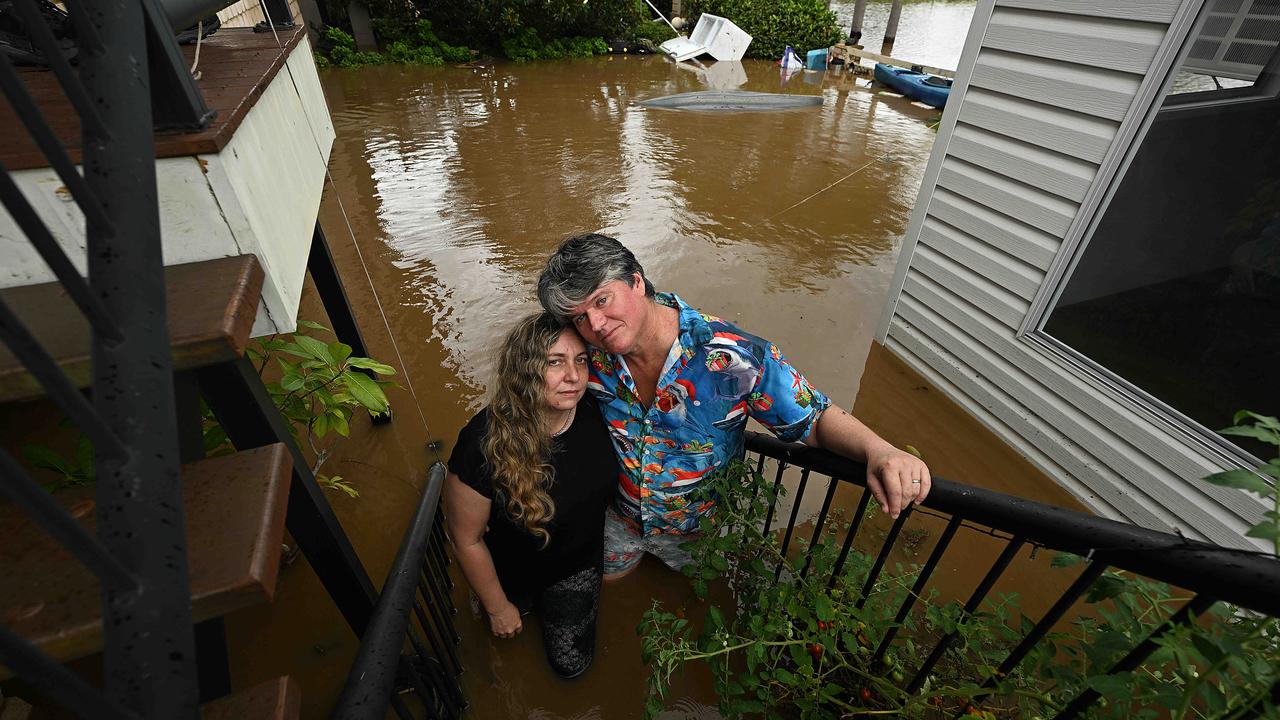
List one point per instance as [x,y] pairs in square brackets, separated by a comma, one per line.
[1247,579]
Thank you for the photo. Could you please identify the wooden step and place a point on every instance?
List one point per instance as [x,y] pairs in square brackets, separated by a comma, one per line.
[235,509]
[211,306]
[278,699]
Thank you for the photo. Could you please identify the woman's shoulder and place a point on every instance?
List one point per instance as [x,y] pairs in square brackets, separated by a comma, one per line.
[470,440]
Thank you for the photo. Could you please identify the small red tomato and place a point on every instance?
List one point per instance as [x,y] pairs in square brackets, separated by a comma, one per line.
[970,710]
[936,700]
[815,650]
[866,694]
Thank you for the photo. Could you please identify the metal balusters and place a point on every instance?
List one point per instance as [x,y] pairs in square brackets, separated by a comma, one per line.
[1077,588]
[849,536]
[883,555]
[773,501]
[916,589]
[1194,607]
[791,522]
[820,523]
[975,600]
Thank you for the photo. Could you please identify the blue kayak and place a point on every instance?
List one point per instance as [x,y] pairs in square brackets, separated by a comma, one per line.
[928,89]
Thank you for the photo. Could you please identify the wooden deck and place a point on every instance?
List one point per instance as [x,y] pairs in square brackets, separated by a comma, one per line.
[236,65]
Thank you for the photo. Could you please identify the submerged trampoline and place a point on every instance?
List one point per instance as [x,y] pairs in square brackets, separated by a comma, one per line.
[733,101]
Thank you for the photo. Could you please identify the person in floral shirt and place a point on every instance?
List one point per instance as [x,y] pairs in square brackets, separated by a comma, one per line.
[676,387]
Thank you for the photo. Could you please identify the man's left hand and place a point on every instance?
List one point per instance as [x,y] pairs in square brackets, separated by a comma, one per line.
[896,478]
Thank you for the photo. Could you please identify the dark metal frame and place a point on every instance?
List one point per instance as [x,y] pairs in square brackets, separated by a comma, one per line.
[1245,578]
[418,583]
[139,551]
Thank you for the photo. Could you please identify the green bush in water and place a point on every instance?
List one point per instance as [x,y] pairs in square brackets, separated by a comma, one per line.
[654,31]
[526,46]
[524,30]
[408,42]
[774,24]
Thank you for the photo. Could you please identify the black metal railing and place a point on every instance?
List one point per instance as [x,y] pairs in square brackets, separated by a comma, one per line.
[1244,578]
[139,550]
[417,588]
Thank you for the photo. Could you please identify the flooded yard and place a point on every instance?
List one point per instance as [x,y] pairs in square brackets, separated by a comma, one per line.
[458,182]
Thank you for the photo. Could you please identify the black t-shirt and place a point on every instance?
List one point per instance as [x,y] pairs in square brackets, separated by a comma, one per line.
[585,481]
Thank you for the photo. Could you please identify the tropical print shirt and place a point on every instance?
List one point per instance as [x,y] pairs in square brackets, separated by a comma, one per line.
[714,378]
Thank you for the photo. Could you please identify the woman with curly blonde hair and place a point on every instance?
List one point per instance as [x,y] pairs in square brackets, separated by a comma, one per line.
[529,481]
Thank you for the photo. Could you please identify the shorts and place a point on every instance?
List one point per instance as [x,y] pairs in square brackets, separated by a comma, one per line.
[624,546]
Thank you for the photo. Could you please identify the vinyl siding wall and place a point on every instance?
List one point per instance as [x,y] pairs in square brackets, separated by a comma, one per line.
[1046,89]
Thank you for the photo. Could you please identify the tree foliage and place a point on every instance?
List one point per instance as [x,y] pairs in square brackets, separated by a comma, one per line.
[775,24]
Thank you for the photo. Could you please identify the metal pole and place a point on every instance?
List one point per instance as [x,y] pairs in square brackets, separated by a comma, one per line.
[149,645]
[891,29]
[855,27]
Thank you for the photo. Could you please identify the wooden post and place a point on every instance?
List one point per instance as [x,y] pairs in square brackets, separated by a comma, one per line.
[677,8]
[891,29]
[855,27]
[361,28]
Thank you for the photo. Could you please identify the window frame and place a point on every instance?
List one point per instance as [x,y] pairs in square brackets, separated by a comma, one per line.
[1111,173]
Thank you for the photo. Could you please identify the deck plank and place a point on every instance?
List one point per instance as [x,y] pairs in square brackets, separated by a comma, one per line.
[211,307]
[232,58]
[276,699]
[234,507]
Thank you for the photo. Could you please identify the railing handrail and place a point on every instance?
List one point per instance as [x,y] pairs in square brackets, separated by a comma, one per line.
[371,680]
[1246,578]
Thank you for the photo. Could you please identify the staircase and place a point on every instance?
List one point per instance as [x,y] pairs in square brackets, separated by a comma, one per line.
[136,571]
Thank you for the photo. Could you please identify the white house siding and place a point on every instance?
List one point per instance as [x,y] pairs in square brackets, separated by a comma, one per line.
[247,13]
[1045,89]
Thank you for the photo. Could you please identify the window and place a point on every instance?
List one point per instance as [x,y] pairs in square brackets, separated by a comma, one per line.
[1176,292]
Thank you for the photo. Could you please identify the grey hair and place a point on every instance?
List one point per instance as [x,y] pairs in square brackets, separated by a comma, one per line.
[579,267]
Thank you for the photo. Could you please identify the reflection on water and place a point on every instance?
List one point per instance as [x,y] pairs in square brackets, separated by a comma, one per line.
[477,174]
[459,182]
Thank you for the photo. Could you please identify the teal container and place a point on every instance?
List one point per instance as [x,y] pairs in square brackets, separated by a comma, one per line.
[816,60]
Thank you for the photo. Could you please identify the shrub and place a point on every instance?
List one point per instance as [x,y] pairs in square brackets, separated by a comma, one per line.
[654,31]
[775,24]
[409,42]
[527,46]
[523,30]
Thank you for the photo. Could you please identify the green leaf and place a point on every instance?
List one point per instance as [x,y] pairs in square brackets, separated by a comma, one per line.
[1107,587]
[320,426]
[1264,420]
[1272,468]
[338,422]
[313,325]
[374,365]
[1063,559]
[314,348]
[823,609]
[46,459]
[1266,531]
[1266,435]
[1111,686]
[366,392]
[1242,480]
[719,562]
[339,351]
[292,381]
[1207,648]
[715,618]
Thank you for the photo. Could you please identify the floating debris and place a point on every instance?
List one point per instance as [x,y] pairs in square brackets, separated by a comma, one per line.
[733,101]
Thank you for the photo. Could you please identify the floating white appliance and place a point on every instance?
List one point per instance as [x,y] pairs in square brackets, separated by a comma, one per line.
[714,36]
